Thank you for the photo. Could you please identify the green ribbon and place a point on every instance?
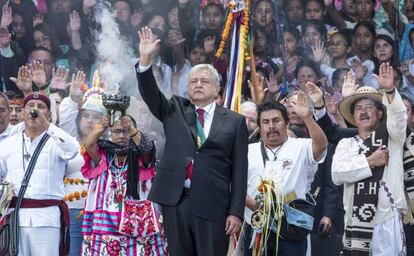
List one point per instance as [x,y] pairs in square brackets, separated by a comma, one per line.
[201,137]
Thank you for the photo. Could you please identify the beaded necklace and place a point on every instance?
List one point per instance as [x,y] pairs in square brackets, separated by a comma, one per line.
[118,174]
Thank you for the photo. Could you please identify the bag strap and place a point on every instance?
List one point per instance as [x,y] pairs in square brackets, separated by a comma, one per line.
[14,250]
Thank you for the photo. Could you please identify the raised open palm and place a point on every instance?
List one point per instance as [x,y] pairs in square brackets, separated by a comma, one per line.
[386,76]
[315,94]
[23,80]
[59,78]
[38,74]
[301,107]
[148,43]
[349,86]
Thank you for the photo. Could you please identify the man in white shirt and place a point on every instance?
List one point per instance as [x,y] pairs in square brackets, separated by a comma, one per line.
[43,214]
[289,162]
[5,125]
[370,166]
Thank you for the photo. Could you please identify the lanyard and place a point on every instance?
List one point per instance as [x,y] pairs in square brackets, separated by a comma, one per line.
[264,153]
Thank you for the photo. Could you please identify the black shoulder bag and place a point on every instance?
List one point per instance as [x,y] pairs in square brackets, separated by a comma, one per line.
[9,231]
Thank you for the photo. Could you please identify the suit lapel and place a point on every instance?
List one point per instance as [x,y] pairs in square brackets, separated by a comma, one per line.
[190,117]
[219,118]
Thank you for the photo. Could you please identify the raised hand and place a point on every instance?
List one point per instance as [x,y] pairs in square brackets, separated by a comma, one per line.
[38,19]
[126,123]
[260,88]
[74,21]
[359,69]
[315,94]
[148,45]
[6,16]
[105,122]
[386,77]
[75,91]
[301,107]
[330,104]
[318,51]
[23,80]
[5,38]
[38,73]
[404,68]
[272,83]
[349,86]
[59,78]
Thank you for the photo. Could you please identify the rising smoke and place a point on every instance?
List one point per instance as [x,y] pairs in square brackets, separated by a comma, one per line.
[116,64]
[115,58]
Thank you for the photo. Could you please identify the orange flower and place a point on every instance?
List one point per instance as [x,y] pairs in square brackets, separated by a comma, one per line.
[84,193]
[77,195]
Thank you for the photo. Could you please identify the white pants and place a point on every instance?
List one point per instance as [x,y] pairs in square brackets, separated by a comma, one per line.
[388,238]
[39,241]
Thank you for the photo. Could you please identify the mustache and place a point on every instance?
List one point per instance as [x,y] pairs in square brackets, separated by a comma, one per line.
[363,115]
[273,131]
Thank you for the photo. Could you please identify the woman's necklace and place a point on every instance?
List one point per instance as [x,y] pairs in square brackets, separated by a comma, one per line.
[117,172]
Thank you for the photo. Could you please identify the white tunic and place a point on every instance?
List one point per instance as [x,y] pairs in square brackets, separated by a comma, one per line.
[349,167]
[46,181]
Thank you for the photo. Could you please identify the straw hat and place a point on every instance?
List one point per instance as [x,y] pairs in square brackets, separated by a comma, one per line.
[364,92]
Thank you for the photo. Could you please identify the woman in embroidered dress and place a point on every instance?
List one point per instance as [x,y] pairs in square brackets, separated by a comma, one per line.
[117,218]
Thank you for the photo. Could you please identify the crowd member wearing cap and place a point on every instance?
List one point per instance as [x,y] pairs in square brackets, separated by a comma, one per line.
[88,118]
[5,126]
[370,166]
[16,110]
[41,228]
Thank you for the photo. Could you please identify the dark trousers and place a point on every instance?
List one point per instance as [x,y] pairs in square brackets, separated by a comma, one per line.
[327,245]
[189,235]
[286,248]
[409,239]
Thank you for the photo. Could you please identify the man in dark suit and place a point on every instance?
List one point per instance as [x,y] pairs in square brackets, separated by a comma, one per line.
[201,179]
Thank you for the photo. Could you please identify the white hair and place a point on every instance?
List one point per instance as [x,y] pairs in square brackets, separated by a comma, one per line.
[248,104]
[210,68]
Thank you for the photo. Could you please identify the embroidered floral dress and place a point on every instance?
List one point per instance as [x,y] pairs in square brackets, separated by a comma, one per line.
[102,214]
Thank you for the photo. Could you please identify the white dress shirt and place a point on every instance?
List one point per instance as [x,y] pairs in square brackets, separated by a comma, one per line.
[208,117]
[46,181]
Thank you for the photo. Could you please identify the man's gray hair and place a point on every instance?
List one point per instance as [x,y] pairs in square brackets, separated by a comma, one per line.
[215,75]
[248,104]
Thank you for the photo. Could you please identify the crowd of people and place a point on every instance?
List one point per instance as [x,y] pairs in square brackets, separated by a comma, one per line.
[326,119]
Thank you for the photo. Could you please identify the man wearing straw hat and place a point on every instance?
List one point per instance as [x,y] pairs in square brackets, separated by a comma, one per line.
[370,166]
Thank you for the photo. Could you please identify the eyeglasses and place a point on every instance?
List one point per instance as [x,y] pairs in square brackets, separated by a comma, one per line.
[119,131]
